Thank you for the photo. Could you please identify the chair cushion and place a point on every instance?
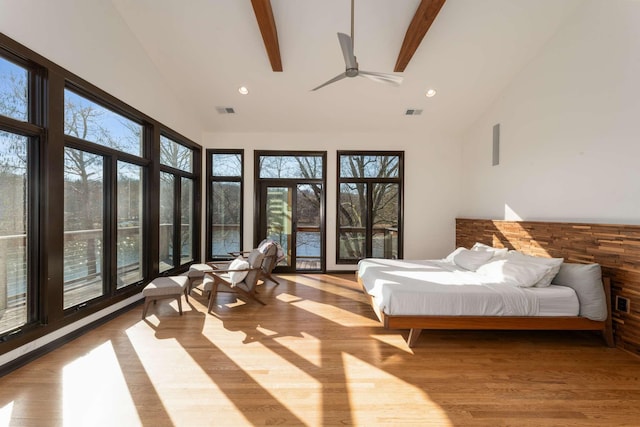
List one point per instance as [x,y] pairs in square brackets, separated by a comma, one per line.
[161,286]
[238,276]
[207,283]
[271,248]
[255,262]
[198,270]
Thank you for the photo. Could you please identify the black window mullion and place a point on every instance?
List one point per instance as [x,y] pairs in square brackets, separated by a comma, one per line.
[369,221]
[34,174]
[293,187]
[110,239]
[37,88]
[209,208]
[177,221]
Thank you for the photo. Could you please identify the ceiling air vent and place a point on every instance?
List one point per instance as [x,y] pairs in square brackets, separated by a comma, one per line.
[225,110]
[413,112]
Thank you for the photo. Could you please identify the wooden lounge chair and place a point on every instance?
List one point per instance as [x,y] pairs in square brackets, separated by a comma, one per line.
[273,254]
[232,278]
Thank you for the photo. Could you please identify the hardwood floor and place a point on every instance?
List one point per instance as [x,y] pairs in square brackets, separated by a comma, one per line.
[315,355]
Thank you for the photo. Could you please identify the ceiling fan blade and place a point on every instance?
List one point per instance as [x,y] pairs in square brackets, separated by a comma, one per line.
[382,77]
[333,80]
[347,51]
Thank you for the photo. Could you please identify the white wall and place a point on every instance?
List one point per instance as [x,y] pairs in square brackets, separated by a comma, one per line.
[90,39]
[432,171]
[570,128]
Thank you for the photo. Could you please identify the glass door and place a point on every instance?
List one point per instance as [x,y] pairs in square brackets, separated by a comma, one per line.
[291,216]
[307,227]
[290,207]
[278,216]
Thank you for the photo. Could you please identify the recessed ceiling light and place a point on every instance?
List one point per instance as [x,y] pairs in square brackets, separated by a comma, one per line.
[243,90]
[431,93]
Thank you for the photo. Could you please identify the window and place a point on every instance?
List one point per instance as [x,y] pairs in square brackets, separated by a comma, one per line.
[100,147]
[291,167]
[14,235]
[83,226]
[369,205]
[224,203]
[167,221]
[19,141]
[14,94]
[186,220]
[86,120]
[175,155]
[178,213]
[130,216]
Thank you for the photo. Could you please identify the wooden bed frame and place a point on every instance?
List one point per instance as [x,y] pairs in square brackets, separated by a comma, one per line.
[416,324]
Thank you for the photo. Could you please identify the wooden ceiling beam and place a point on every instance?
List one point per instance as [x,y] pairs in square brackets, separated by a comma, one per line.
[422,20]
[267,24]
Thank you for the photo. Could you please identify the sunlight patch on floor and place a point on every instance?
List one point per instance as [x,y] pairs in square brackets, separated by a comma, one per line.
[306,347]
[156,354]
[281,374]
[5,414]
[324,286]
[335,314]
[81,405]
[153,320]
[373,407]
[285,297]
[395,340]
[266,332]
[236,303]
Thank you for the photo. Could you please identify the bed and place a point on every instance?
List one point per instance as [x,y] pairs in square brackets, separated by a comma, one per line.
[503,290]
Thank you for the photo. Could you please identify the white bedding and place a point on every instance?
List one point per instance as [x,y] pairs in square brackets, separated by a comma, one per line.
[439,287]
[555,300]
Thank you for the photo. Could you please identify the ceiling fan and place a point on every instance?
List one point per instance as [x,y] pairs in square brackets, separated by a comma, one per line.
[346,44]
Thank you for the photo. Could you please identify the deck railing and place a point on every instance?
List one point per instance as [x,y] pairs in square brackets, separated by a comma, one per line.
[388,241]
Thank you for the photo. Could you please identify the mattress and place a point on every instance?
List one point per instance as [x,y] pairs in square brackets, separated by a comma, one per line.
[555,300]
[440,288]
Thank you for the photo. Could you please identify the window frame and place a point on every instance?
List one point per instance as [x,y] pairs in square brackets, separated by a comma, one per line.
[211,179]
[111,158]
[369,182]
[178,175]
[259,197]
[33,129]
[45,128]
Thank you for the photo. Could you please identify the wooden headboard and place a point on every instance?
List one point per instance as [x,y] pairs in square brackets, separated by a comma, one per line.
[615,247]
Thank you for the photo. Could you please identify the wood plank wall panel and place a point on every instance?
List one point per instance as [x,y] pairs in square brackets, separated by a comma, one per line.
[615,247]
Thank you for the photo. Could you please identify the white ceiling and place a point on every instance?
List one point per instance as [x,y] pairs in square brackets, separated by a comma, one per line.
[206,49]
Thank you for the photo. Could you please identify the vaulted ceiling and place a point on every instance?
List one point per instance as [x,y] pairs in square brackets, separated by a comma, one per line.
[207,49]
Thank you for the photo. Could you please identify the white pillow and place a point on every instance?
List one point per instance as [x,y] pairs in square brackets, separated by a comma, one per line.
[471,260]
[238,276]
[586,280]
[553,263]
[453,254]
[497,252]
[517,273]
